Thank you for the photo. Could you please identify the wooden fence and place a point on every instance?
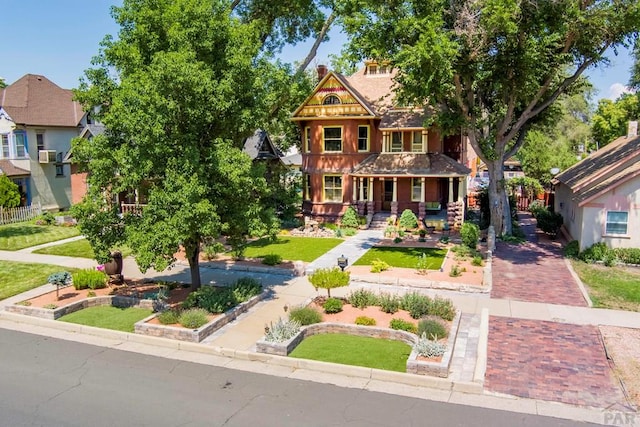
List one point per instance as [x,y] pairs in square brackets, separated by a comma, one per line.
[21,214]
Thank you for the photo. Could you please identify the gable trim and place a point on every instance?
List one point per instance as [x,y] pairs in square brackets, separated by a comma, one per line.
[609,187]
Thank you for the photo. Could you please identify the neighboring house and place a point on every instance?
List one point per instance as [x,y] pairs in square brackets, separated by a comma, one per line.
[599,197]
[38,119]
[360,148]
[512,168]
[79,185]
[259,147]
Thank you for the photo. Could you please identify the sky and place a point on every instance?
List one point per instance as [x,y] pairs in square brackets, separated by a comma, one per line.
[58,38]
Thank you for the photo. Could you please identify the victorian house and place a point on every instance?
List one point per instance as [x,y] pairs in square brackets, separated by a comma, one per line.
[361,148]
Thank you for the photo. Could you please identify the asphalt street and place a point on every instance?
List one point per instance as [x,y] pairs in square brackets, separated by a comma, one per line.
[51,382]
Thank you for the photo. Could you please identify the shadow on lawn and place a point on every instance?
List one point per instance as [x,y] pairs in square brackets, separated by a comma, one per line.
[21,230]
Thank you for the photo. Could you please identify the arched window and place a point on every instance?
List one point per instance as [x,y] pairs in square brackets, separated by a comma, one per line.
[331,100]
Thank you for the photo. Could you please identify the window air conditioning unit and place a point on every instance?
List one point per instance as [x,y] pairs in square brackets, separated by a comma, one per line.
[47,156]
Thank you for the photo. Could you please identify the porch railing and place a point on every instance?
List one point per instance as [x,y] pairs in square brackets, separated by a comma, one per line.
[131,208]
[20,214]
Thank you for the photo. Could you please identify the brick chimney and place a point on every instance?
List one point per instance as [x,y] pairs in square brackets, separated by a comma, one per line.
[632,129]
[322,71]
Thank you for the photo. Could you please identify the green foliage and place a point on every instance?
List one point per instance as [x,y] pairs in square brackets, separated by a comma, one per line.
[332,305]
[455,271]
[464,252]
[272,259]
[365,321]
[89,278]
[416,304]
[530,186]
[442,308]
[549,222]
[470,234]
[211,298]
[596,252]
[211,250]
[50,306]
[627,255]
[408,220]
[245,288]
[389,303]
[60,279]
[403,325]
[402,257]
[9,192]
[397,240]
[193,318]
[47,217]
[378,266]
[91,294]
[305,315]
[169,317]
[349,232]
[422,265]
[329,278]
[611,117]
[350,218]
[362,298]
[433,329]
[536,207]
[282,330]
[428,348]
[572,250]
[477,261]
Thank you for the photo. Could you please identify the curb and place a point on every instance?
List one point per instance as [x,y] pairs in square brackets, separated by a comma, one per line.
[581,286]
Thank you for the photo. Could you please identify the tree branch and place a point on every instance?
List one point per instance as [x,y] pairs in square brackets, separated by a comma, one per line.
[314,49]
[521,138]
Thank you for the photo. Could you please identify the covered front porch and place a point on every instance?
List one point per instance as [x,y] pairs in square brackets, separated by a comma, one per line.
[427,184]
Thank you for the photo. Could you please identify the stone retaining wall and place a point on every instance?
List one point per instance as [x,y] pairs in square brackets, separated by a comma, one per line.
[54,314]
[195,335]
[414,366]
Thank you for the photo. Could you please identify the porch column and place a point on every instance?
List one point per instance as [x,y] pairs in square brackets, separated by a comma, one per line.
[361,189]
[385,141]
[425,140]
[355,197]
[421,207]
[394,198]
[450,190]
[136,196]
[370,208]
[460,189]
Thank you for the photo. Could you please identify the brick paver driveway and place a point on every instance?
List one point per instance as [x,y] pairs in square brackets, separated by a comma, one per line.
[534,271]
[550,361]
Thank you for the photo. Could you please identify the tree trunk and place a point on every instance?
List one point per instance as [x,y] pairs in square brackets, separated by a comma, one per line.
[192,251]
[498,199]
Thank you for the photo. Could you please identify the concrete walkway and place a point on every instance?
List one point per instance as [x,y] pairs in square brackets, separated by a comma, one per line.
[352,248]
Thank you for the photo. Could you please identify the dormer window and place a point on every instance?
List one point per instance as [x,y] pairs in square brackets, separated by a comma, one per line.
[331,100]
[373,69]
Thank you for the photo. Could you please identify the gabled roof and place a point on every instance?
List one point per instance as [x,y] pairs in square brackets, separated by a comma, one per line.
[92,129]
[35,100]
[259,146]
[410,164]
[603,170]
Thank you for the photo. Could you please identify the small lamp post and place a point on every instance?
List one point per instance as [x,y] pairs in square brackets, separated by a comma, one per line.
[343,262]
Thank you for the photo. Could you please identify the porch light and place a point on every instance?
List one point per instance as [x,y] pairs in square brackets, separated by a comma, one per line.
[343,262]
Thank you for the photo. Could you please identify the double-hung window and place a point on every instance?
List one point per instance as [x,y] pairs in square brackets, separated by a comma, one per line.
[307,187]
[307,139]
[416,189]
[333,188]
[40,141]
[363,138]
[416,142]
[21,144]
[617,222]
[5,146]
[396,142]
[332,139]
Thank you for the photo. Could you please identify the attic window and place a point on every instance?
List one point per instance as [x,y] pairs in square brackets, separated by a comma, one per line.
[331,100]
[373,69]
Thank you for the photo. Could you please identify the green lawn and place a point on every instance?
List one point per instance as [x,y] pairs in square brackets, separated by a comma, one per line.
[18,277]
[108,317]
[292,248]
[610,287]
[25,235]
[79,248]
[402,257]
[353,350]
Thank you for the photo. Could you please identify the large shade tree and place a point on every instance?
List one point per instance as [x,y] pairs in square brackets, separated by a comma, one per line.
[178,90]
[492,67]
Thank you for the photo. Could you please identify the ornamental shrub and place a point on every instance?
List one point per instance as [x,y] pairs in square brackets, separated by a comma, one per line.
[169,317]
[389,303]
[362,298]
[350,218]
[60,279]
[416,304]
[433,329]
[272,259]
[443,308]
[329,278]
[596,252]
[427,348]
[305,315]
[455,271]
[572,250]
[378,266]
[422,265]
[193,318]
[627,255]
[245,288]
[365,321]
[403,325]
[332,305]
[470,234]
[477,261]
[408,220]
[89,278]
[549,222]
[212,250]
[211,298]
[281,331]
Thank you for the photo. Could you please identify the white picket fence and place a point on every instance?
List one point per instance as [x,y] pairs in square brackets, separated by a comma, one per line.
[21,214]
